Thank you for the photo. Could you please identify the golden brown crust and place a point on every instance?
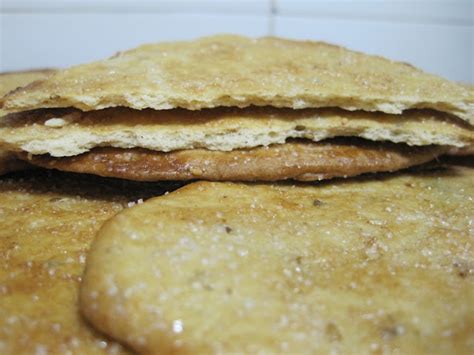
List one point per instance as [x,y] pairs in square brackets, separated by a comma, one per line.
[294,160]
[376,265]
[237,71]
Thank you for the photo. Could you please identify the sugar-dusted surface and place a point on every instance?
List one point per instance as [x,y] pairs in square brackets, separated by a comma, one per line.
[231,70]
[379,265]
[47,222]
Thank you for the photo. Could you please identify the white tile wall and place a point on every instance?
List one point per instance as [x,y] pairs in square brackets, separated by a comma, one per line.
[436,35]
[454,12]
[139,6]
[64,39]
[441,49]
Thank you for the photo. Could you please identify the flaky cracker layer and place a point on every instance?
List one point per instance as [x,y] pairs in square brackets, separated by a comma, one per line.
[72,132]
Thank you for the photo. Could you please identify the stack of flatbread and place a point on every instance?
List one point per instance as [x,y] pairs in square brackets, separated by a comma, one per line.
[381,263]
[234,108]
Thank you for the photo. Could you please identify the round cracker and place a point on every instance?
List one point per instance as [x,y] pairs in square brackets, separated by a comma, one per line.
[380,265]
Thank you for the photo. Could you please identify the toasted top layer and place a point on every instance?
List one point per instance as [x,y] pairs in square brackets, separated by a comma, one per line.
[229,70]
[63,132]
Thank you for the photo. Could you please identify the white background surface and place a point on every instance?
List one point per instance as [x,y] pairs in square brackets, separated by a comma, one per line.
[435,35]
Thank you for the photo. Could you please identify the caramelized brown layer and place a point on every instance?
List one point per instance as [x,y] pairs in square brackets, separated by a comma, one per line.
[303,161]
[8,163]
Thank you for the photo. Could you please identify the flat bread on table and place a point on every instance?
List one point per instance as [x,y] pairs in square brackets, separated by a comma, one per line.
[203,96]
[376,265]
[47,223]
[8,82]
